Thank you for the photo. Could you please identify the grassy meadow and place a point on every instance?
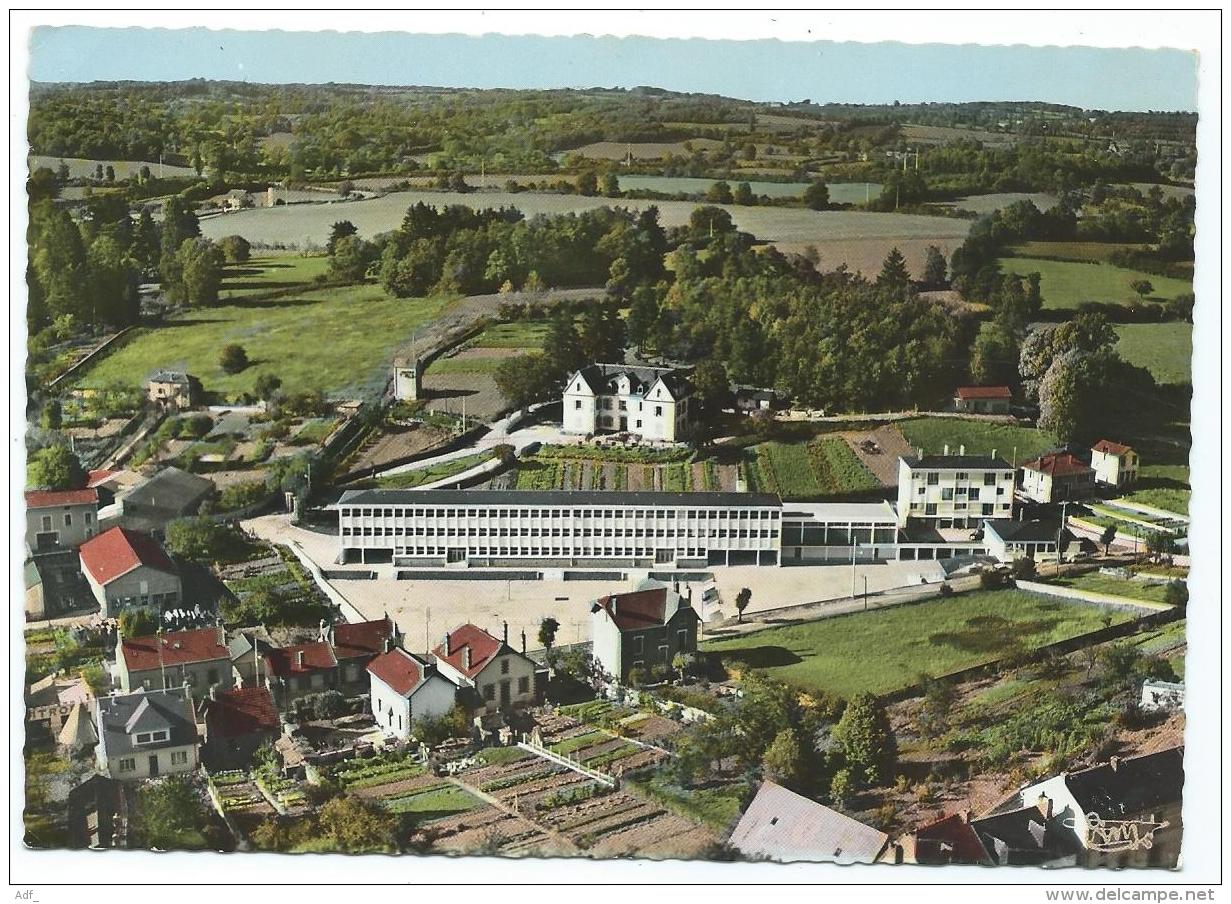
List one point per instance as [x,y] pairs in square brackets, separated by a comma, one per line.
[1164,349]
[335,340]
[932,434]
[893,647]
[1066,284]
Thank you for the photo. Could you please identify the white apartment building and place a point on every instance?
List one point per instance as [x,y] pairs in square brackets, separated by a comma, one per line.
[651,402]
[561,528]
[954,491]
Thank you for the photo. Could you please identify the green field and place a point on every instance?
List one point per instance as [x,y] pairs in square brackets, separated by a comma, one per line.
[1164,349]
[1066,284]
[271,274]
[1163,486]
[433,803]
[335,340]
[932,434]
[523,334]
[822,467]
[465,365]
[885,650]
[1104,583]
[410,479]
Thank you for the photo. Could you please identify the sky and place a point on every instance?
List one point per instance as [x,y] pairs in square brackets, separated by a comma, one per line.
[764,70]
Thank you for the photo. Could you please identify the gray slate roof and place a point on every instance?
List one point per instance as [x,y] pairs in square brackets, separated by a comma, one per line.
[958,462]
[786,827]
[122,715]
[601,378]
[558,498]
[171,490]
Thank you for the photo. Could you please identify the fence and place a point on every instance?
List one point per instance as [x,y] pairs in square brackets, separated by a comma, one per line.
[349,612]
[97,352]
[564,759]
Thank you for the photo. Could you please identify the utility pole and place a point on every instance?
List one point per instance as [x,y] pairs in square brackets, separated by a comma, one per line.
[1064,510]
[865,593]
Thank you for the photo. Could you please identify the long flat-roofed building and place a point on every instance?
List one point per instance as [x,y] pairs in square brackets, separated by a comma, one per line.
[562,528]
[820,532]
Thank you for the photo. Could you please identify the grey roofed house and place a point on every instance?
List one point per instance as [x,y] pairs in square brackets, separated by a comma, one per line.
[1023,837]
[601,379]
[551,498]
[786,827]
[123,715]
[169,494]
[1125,787]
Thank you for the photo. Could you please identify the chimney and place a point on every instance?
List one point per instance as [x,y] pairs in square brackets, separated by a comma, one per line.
[615,600]
[965,814]
[466,657]
[961,450]
[1044,805]
[330,635]
[299,658]
[506,632]
[946,448]
[320,634]
[213,692]
[388,644]
[523,641]
[993,453]
[446,645]
[222,635]
[1115,763]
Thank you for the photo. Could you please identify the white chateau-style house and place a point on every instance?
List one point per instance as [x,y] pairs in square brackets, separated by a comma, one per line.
[405,690]
[651,402]
[1114,464]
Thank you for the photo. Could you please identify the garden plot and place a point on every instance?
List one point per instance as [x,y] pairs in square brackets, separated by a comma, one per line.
[823,467]
[242,801]
[491,830]
[583,468]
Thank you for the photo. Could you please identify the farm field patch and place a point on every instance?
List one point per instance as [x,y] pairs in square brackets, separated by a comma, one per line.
[339,341]
[1164,349]
[932,434]
[1066,284]
[79,168]
[885,650]
[822,467]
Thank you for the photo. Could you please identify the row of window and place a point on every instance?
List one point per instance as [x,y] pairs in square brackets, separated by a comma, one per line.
[178,758]
[987,508]
[550,551]
[555,532]
[989,477]
[689,514]
[68,520]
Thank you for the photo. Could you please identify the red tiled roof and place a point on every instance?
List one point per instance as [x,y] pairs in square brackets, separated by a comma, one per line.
[950,839]
[97,476]
[178,648]
[399,670]
[482,648]
[1061,464]
[355,639]
[51,498]
[120,550]
[1107,447]
[241,711]
[984,392]
[640,609]
[284,661]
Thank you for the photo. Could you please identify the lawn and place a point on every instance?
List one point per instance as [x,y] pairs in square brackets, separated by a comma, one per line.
[465,365]
[410,479]
[1010,442]
[335,340]
[1164,349]
[1066,284]
[271,274]
[1163,486]
[433,803]
[824,466]
[1105,583]
[882,651]
[522,334]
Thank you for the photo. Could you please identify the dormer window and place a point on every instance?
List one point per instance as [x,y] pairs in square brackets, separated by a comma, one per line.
[151,737]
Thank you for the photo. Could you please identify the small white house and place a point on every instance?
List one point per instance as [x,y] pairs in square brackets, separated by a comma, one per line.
[406,690]
[146,734]
[1114,464]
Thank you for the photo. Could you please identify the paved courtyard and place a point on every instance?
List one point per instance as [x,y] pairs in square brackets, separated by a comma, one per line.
[425,609]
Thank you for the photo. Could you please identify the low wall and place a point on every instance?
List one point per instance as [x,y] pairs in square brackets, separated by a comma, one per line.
[93,356]
[1089,596]
[349,612]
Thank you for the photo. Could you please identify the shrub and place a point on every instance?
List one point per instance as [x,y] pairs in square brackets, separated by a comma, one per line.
[233,359]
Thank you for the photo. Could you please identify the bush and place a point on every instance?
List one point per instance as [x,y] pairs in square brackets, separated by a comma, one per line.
[242,495]
[1024,569]
[233,359]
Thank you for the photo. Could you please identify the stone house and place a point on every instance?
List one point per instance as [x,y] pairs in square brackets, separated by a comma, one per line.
[60,519]
[237,722]
[501,677]
[127,570]
[174,389]
[642,630]
[198,658]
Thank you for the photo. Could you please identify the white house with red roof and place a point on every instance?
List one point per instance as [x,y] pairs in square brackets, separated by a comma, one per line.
[198,658]
[60,519]
[982,399]
[127,570]
[405,690]
[1057,476]
[501,677]
[1114,464]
